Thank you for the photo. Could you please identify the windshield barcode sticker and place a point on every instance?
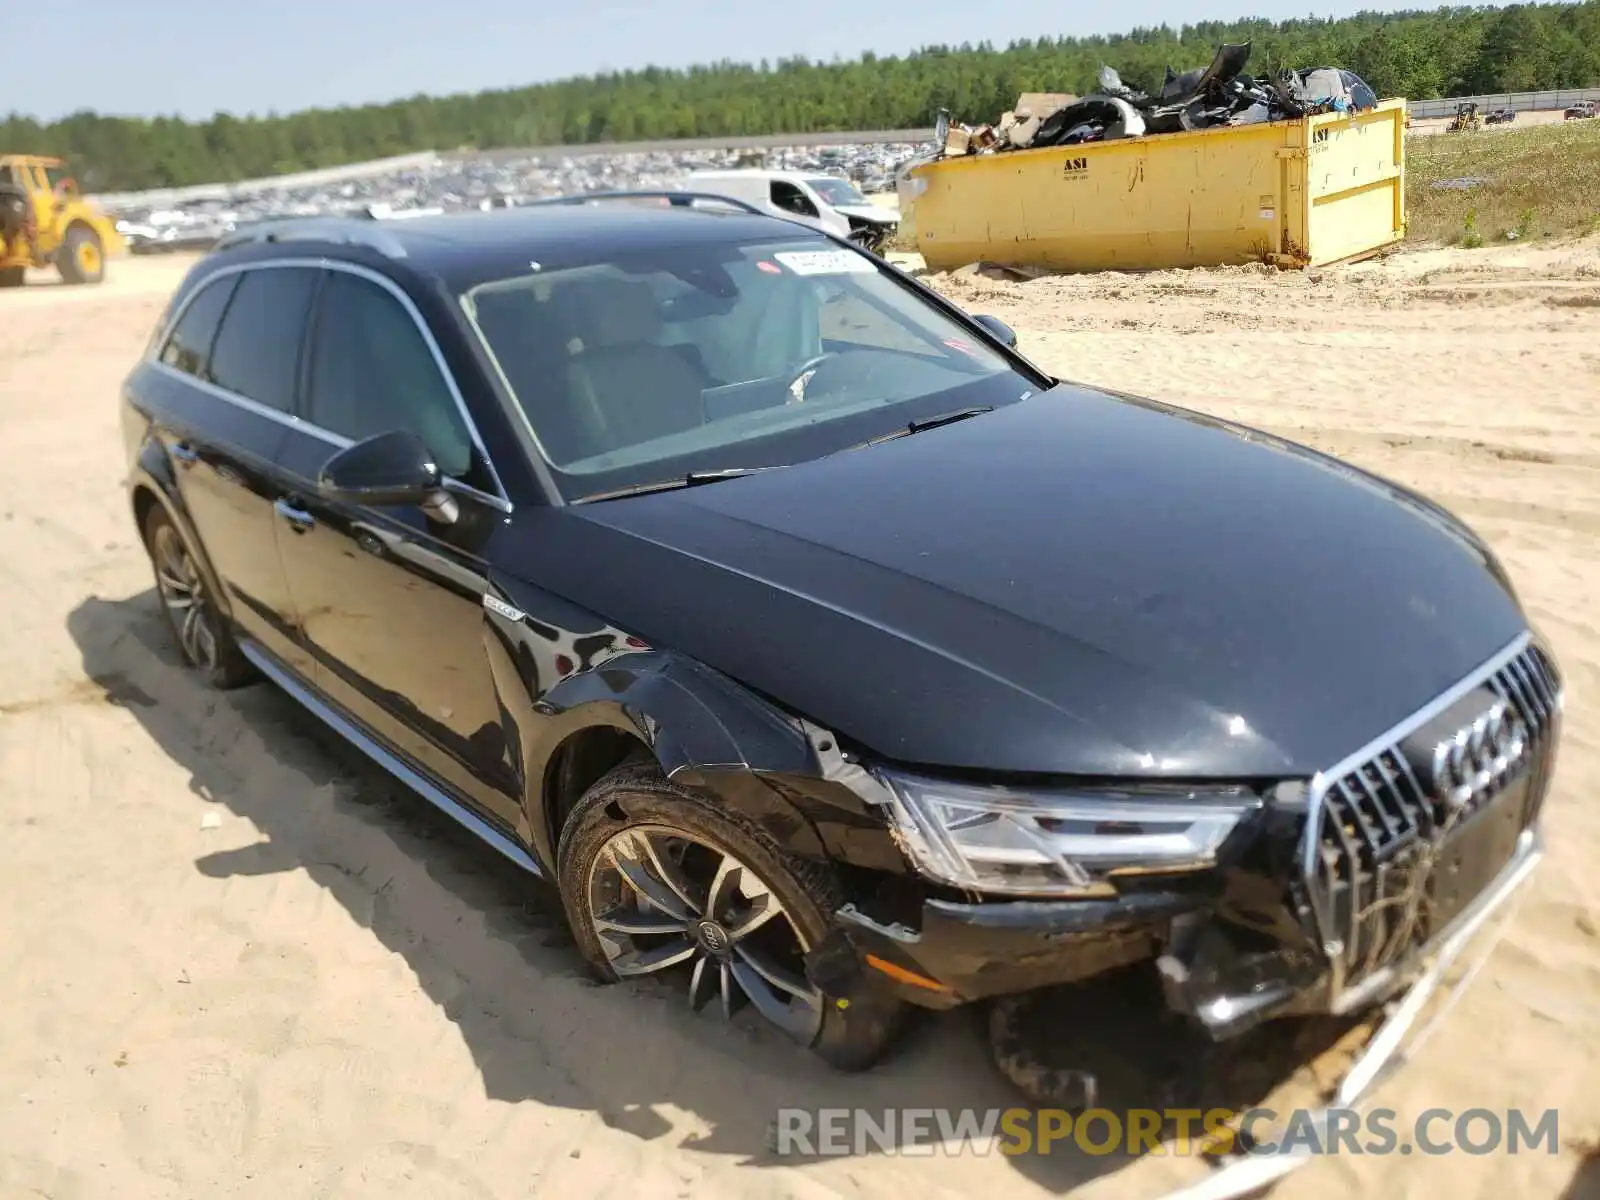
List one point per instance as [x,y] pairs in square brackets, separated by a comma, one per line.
[825,262]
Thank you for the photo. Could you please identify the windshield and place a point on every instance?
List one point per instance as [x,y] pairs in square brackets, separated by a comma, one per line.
[837,192]
[712,357]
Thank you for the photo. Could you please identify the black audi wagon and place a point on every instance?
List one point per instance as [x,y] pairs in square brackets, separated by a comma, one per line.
[825,653]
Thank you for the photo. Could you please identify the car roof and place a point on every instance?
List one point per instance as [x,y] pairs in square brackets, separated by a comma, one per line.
[759,173]
[468,248]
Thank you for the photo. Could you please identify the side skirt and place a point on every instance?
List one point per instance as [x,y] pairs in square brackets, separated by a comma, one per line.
[353,734]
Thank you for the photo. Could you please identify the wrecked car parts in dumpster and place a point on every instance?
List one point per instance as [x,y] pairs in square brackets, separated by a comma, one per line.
[1218,96]
[1304,169]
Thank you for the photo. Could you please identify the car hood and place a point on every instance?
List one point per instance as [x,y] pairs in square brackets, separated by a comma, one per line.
[1075,584]
[869,212]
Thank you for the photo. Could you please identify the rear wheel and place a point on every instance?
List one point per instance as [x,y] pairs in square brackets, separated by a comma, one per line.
[658,881]
[203,635]
[81,258]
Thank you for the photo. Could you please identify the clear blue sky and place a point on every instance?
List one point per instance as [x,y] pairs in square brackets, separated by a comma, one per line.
[195,57]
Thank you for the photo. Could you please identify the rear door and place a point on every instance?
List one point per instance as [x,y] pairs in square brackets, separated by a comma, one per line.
[392,602]
[224,404]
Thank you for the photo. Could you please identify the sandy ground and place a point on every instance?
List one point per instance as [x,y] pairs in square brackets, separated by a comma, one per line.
[239,962]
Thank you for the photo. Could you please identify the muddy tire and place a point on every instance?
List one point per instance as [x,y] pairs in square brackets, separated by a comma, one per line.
[202,633]
[13,277]
[659,881]
[81,258]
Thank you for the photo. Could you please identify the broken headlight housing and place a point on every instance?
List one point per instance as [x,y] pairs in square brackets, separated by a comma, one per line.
[995,839]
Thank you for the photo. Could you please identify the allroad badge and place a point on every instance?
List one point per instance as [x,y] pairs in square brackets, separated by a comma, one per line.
[496,605]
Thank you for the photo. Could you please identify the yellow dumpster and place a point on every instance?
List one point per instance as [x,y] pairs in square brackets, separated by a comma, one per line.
[1302,193]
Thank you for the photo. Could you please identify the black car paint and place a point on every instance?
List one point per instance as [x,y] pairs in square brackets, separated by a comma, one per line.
[1099,637]
[770,598]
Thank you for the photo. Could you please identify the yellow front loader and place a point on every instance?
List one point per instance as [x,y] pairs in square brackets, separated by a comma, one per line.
[45,222]
[1466,119]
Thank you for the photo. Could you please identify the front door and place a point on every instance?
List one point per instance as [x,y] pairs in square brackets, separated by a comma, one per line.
[221,394]
[390,601]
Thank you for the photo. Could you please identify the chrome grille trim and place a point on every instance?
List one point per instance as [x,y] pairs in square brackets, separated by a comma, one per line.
[1371,808]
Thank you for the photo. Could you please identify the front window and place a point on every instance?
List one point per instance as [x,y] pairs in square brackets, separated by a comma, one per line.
[790,198]
[840,193]
[653,365]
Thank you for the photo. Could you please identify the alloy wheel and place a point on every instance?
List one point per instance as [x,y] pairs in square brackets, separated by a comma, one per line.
[184,594]
[664,902]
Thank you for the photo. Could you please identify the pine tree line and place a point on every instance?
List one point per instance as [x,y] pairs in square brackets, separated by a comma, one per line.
[1419,55]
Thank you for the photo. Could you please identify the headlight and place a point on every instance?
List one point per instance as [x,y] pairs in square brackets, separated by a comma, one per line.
[993,839]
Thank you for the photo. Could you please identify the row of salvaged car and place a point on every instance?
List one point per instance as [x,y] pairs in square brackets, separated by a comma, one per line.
[1581,110]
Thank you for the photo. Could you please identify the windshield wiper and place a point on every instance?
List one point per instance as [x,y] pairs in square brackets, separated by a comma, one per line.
[949,418]
[692,479]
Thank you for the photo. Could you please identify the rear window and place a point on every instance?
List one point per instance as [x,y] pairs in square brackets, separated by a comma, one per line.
[257,351]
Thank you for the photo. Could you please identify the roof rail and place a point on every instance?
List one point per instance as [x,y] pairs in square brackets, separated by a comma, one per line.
[678,199]
[362,230]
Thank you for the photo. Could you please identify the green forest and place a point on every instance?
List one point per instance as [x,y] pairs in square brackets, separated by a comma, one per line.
[1419,55]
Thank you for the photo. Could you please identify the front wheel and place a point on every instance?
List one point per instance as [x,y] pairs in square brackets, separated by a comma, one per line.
[659,881]
[81,258]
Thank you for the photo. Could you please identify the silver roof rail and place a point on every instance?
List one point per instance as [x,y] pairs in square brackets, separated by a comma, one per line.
[678,199]
[348,231]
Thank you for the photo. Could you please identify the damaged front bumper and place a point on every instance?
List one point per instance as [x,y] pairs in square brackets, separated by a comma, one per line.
[1282,985]
[965,952]
[1438,978]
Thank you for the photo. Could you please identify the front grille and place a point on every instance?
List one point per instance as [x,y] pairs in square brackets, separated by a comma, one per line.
[1392,854]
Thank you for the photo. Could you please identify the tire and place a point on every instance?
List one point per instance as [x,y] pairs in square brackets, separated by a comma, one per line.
[81,258]
[203,636]
[636,801]
[13,277]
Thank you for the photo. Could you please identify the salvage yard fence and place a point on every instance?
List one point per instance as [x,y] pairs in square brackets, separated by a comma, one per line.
[1424,110]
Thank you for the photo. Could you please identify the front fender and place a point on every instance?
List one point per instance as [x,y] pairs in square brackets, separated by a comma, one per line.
[558,671]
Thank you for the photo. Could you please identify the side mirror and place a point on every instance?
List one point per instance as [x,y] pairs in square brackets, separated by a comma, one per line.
[388,469]
[997,327]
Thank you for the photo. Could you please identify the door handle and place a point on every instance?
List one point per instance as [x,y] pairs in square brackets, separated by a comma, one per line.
[185,453]
[299,519]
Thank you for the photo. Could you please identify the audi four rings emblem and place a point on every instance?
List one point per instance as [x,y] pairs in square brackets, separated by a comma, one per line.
[1480,755]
